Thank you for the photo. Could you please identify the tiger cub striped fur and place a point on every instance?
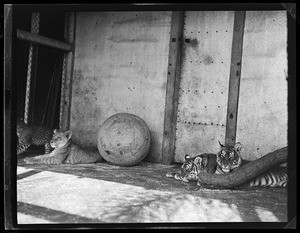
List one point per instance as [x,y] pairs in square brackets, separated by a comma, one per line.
[192,166]
[65,152]
[229,158]
[32,135]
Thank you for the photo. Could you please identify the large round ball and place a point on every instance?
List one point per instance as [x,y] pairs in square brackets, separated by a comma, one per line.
[124,139]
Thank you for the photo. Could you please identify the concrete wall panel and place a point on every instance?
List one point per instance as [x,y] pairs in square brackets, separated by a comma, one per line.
[262,115]
[120,66]
[204,82]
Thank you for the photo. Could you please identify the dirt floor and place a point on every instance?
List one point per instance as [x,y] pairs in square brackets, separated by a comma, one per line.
[103,193]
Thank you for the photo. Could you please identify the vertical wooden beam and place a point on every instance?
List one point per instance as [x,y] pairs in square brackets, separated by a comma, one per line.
[235,76]
[172,90]
[8,139]
[29,113]
[67,73]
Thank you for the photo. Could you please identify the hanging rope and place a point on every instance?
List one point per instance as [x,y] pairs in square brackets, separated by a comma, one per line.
[50,93]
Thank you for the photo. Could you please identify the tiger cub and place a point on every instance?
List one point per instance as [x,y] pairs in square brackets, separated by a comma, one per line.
[65,152]
[32,135]
[192,166]
[229,158]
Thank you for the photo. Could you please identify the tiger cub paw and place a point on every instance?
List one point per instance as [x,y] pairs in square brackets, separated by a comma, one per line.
[29,160]
[170,174]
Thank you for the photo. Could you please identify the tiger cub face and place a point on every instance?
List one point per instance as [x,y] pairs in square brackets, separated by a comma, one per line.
[191,168]
[60,139]
[229,157]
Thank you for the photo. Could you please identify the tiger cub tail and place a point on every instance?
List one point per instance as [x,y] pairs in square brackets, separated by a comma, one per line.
[276,177]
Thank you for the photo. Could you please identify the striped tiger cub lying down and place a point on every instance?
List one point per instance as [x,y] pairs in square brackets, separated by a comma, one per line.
[227,160]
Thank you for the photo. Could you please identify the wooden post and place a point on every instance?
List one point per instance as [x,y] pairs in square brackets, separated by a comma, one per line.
[234,79]
[172,90]
[67,74]
[9,160]
[31,72]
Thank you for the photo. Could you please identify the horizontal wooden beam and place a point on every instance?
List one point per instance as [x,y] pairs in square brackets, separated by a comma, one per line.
[23,35]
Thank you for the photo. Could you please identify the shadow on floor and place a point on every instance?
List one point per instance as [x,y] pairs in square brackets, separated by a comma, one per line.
[143,193]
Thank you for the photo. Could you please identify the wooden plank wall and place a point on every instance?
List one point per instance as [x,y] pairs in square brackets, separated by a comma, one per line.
[121,65]
[262,117]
